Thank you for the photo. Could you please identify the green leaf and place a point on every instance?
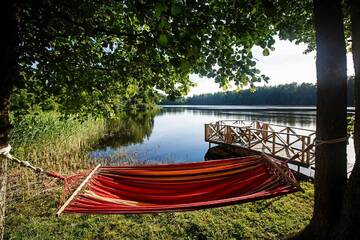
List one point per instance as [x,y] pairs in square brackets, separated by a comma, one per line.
[254,10]
[266,52]
[163,40]
[175,10]
[146,27]
[159,9]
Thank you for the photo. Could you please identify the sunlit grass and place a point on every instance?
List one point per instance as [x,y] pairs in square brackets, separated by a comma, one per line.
[51,142]
[268,219]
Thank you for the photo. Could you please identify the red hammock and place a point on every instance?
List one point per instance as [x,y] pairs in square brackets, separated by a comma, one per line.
[180,187]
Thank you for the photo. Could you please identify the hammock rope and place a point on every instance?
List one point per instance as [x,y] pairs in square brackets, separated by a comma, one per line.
[319,142]
[5,151]
[68,181]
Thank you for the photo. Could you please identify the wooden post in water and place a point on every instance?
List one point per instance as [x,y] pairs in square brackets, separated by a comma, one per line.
[207,132]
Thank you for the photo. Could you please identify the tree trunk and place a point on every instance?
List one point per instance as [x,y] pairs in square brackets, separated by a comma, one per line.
[8,73]
[330,163]
[350,218]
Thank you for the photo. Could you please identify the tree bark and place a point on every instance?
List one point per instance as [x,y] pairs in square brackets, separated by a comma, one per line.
[330,163]
[8,74]
[350,217]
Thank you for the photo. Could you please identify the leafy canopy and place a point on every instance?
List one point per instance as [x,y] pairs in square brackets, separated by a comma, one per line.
[103,56]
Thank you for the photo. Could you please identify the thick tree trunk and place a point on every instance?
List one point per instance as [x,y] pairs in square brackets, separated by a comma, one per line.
[330,164]
[350,218]
[8,73]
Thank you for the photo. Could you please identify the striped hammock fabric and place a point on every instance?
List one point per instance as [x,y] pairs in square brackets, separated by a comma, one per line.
[181,187]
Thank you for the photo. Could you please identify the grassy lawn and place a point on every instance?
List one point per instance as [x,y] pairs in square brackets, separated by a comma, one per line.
[267,219]
[61,145]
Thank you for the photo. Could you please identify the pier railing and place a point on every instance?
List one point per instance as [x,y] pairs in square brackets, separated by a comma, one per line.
[293,143]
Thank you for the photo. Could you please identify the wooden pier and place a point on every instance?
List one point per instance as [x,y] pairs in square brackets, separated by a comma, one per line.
[290,143]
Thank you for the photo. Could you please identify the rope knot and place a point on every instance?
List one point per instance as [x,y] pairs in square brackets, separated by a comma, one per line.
[331,141]
[26,163]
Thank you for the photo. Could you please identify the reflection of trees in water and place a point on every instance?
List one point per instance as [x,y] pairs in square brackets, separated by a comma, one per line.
[172,110]
[133,127]
[128,128]
[283,118]
[290,117]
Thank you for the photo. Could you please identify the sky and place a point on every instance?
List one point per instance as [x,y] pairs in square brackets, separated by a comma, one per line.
[286,64]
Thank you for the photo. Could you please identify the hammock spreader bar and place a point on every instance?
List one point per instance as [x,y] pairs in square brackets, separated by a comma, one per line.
[180,187]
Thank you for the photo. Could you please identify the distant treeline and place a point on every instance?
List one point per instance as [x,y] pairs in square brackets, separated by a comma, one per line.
[286,94]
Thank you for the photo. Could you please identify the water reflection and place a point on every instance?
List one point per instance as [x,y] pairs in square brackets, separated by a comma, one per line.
[304,119]
[177,134]
[130,128]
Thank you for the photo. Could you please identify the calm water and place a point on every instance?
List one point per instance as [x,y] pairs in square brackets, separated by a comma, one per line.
[176,133]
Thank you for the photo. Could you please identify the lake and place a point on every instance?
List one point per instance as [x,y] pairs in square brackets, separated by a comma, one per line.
[176,133]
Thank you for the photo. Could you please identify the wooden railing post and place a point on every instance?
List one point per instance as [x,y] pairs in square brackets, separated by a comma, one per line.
[265,132]
[308,150]
[273,142]
[206,132]
[228,136]
[258,128]
[287,136]
[294,146]
[303,138]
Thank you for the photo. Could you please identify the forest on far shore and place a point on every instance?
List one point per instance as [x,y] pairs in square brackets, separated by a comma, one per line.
[285,94]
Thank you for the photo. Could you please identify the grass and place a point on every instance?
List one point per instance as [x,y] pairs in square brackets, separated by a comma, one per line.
[53,142]
[62,145]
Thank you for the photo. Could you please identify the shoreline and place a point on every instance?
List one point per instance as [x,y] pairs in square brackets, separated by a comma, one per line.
[350,110]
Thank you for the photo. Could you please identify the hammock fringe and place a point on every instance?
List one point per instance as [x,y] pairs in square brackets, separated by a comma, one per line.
[292,181]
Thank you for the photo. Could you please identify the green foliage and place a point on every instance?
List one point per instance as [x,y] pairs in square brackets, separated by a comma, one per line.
[101,57]
[163,41]
[266,52]
[52,142]
[44,128]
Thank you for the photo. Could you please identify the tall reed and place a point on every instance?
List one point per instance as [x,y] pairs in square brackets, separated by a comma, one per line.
[53,143]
